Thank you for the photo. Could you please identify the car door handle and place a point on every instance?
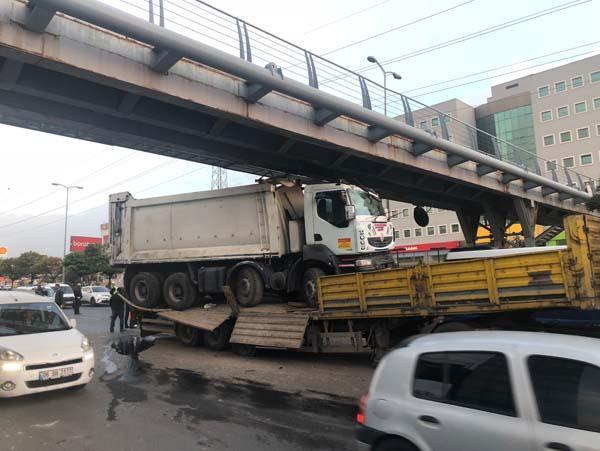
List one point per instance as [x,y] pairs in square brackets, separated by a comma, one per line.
[429,419]
[558,446]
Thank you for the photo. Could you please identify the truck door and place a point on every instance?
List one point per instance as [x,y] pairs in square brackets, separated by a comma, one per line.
[331,227]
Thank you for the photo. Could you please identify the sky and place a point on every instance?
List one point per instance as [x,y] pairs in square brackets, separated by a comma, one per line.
[32,210]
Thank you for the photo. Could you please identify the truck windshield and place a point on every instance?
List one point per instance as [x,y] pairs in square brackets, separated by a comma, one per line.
[30,318]
[365,203]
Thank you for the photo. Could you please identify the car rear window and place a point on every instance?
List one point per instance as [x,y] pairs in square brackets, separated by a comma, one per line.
[567,391]
[478,380]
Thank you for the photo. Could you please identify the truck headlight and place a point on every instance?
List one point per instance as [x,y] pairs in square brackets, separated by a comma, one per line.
[85,344]
[363,262]
[6,355]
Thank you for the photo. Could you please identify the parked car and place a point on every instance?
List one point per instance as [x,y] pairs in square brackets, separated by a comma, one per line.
[95,294]
[40,349]
[68,295]
[472,391]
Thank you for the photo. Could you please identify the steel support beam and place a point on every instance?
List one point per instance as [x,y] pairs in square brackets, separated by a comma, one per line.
[163,61]
[218,127]
[128,103]
[420,148]
[9,74]
[376,133]
[286,146]
[39,16]
[527,185]
[496,218]
[483,169]
[507,178]
[322,116]
[455,160]
[469,223]
[527,214]
[255,92]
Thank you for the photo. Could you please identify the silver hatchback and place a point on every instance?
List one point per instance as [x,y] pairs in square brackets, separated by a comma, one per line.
[473,391]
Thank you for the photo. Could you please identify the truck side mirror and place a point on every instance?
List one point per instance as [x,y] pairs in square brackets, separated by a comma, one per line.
[421,217]
[350,212]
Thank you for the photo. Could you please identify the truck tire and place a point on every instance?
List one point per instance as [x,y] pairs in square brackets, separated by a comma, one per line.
[218,340]
[187,335]
[179,291]
[309,285]
[248,287]
[145,289]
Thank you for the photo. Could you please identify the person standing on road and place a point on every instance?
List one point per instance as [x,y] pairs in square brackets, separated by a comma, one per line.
[117,310]
[58,295]
[78,296]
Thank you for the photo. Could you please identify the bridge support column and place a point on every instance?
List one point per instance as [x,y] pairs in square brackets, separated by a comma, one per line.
[469,223]
[527,214]
[496,218]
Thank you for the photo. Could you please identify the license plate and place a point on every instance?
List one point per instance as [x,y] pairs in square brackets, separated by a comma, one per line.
[56,374]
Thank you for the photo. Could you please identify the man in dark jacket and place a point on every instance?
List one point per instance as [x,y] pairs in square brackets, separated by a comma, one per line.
[58,295]
[117,307]
[77,300]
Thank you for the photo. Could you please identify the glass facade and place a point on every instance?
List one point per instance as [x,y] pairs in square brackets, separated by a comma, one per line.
[514,126]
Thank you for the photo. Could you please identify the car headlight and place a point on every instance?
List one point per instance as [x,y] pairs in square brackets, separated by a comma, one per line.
[85,344]
[6,355]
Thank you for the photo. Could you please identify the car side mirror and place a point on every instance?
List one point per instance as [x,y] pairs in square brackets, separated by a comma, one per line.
[73,323]
[350,212]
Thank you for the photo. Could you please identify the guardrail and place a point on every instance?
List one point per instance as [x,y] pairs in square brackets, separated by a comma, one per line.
[201,21]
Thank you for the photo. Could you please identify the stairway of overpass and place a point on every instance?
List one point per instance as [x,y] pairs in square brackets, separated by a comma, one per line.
[183,79]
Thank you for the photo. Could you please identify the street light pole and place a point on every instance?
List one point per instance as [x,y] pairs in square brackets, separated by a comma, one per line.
[67,189]
[372,59]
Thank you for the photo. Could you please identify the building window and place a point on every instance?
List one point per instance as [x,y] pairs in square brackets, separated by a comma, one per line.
[583,133]
[598,129]
[577,82]
[580,107]
[568,162]
[586,159]
[430,231]
[406,233]
[595,76]
[405,212]
[455,228]
[597,103]
[418,232]
[423,124]
[565,137]
[560,86]
[548,140]
[546,116]
[562,111]
[443,229]
[435,121]
[551,165]
[543,91]
[396,234]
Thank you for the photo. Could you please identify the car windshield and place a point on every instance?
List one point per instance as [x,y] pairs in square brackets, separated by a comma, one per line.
[365,203]
[67,290]
[31,318]
[99,290]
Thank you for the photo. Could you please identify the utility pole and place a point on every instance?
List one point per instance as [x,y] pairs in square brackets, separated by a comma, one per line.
[67,189]
[372,59]
[219,178]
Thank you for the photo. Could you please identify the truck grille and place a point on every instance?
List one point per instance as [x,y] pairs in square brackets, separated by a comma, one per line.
[41,366]
[50,382]
[380,242]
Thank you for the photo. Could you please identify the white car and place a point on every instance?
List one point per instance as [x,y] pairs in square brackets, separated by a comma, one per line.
[40,349]
[95,295]
[68,295]
[473,391]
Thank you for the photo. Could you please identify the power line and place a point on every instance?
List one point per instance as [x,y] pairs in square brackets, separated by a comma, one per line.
[473,35]
[377,35]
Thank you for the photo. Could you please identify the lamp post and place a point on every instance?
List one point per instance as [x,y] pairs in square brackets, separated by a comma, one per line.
[372,59]
[67,189]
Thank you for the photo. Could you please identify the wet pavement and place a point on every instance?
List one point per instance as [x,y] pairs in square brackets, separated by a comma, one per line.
[135,405]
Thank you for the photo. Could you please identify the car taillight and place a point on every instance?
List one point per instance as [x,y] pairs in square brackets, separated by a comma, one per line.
[362,408]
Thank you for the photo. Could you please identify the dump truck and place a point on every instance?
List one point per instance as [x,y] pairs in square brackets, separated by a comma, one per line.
[371,311]
[275,237]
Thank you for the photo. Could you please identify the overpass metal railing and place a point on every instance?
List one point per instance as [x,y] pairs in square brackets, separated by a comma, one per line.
[201,21]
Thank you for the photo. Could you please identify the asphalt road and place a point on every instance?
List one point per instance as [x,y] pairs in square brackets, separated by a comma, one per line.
[139,406]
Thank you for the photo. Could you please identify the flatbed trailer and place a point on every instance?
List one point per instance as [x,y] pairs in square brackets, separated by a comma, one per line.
[371,311]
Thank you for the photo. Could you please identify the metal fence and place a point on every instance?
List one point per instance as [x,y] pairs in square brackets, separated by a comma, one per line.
[203,22]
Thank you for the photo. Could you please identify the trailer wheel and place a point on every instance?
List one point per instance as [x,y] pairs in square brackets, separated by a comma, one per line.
[187,335]
[144,289]
[179,291]
[309,285]
[244,350]
[218,340]
[248,287]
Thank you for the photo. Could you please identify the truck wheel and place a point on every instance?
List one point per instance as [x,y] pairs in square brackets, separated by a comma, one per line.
[248,287]
[179,291]
[243,350]
[218,340]
[144,289]
[309,285]
[188,336]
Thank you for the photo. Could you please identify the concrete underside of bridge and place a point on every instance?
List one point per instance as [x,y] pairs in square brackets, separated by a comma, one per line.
[77,80]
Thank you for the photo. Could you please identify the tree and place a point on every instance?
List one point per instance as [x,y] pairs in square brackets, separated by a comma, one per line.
[93,260]
[8,267]
[49,267]
[25,264]
[77,266]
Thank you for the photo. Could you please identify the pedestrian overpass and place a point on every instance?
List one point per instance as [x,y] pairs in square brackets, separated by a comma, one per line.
[229,94]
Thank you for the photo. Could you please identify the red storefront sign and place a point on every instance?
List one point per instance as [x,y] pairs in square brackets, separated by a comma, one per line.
[427,247]
[79,243]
